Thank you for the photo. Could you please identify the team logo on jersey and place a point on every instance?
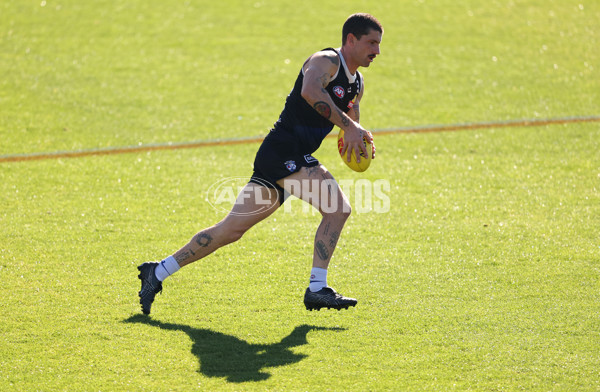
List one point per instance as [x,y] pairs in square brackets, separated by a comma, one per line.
[339,91]
[290,165]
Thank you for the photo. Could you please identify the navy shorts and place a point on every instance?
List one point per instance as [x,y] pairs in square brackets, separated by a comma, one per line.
[277,158]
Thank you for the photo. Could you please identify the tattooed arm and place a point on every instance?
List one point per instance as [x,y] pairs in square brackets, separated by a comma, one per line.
[318,72]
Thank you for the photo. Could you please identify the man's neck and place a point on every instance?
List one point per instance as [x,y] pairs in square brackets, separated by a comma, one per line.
[352,67]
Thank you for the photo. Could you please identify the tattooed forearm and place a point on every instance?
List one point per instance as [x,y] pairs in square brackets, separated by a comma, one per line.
[323,108]
[345,119]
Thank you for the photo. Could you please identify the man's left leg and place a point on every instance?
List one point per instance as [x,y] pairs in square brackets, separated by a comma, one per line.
[315,185]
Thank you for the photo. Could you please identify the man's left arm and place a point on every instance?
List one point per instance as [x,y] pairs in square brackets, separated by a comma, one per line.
[354,114]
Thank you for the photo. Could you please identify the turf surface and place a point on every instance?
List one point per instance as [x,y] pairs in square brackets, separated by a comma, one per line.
[483,274]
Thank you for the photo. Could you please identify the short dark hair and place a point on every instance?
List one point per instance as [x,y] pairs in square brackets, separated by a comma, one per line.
[360,24]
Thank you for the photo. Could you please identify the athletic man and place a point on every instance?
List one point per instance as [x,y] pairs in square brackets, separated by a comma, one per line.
[327,92]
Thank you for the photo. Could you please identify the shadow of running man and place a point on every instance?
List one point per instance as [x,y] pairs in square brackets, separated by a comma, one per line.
[222,355]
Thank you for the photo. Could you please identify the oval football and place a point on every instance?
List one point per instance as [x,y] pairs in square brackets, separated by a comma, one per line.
[365,160]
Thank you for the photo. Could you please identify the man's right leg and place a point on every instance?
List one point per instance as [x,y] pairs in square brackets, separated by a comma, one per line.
[254,203]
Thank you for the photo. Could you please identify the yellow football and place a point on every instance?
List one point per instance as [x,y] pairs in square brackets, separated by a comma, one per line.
[365,160]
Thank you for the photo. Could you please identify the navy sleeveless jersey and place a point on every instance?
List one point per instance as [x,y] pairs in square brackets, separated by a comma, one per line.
[300,123]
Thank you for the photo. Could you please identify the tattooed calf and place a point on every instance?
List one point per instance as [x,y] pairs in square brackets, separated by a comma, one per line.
[333,239]
[322,250]
[203,239]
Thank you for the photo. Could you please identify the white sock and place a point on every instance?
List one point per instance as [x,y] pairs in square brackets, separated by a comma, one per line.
[318,279]
[166,268]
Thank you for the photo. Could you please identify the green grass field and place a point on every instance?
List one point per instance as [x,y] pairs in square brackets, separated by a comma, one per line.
[482,276]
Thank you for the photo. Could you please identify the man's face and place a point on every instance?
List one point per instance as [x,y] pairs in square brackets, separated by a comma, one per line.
[367,48]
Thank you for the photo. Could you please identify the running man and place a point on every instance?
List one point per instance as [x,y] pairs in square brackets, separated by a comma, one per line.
[327,93]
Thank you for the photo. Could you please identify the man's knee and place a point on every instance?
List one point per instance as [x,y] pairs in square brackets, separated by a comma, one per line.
[345,211]
[231,233]
[235,235]
[341,212]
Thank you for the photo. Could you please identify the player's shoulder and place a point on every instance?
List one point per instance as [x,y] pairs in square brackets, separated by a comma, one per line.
[328,58]
[330,54]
